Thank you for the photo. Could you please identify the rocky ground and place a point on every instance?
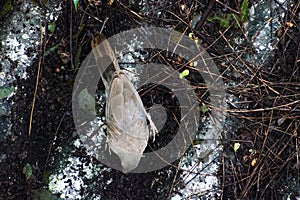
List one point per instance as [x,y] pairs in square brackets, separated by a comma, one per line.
[264,116]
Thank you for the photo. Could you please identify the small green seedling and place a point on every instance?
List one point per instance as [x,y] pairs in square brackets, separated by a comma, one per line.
[224,21]
[203,108]
[241,18]
[184,73]
[236,146]
[244,11]
[75,4]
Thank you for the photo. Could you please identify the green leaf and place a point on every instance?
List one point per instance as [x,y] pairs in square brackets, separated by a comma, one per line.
[51,27]
[213,18]
[6,91]
[86,101]
[244,10]
[75,4]
[27,170]
[52,49]
[184,73]
[224,21]
[236,146]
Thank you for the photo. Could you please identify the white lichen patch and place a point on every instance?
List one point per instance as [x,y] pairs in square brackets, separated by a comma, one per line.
[262,26]
[68,182]
[200,169]
[20,39]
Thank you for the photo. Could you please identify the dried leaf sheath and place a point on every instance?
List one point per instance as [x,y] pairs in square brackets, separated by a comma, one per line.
[104,52]
[126,117]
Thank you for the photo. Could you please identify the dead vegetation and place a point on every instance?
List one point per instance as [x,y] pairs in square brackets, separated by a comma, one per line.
[263,113]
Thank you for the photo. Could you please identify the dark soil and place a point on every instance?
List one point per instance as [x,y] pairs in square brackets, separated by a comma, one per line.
[266,95]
